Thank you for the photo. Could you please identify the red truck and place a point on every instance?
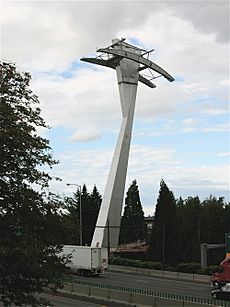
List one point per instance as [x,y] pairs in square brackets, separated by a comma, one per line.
[222,276]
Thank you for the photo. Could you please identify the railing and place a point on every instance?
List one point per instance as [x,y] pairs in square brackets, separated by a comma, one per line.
[153,293]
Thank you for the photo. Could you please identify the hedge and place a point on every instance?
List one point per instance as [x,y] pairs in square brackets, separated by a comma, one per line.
[193,268]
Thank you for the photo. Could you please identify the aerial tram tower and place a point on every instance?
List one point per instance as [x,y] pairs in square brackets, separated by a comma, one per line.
[128,61]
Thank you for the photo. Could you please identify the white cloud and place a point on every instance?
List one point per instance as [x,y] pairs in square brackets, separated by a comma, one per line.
[211,17]
[224,154]
[88,99]
[217,128]
[148,165]
[215,111]
[84,136]
[48,38]
[189,124]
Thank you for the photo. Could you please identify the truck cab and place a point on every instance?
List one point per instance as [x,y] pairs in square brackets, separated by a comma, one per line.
[222,275]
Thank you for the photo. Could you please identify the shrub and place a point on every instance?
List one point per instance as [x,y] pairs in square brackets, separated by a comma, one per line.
[192,267]
[135,263]
[170,268]
[209,270]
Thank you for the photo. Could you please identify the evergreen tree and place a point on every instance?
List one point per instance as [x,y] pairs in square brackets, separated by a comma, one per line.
[162,240]
[212,216]
[90,205]
[30,230]
[85,216]
[71,219]
[132,222]
[226,218]
[95,204]
[188,230]
[213,227]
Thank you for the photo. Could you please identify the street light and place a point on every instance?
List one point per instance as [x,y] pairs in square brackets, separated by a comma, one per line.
[80,210]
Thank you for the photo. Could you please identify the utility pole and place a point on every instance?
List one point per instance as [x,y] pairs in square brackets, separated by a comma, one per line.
[108,237]
[163,246]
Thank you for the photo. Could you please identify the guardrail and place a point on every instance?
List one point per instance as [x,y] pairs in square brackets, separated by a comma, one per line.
[135,295]
[160,273]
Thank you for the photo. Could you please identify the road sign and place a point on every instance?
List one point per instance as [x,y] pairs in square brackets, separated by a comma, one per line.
[227,242]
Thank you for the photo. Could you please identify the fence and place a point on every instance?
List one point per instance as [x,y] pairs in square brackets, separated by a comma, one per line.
[136,296]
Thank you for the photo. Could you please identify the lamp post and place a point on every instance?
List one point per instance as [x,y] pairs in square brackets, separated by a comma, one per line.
[80,210]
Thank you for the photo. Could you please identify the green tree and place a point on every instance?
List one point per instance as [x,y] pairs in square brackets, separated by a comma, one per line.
[90,209]
[132,222]
[71,218]
[30,228]
[226,218]
[94,207]
[213,226]
[162,240]
[90,205]
[85,205]
[187,232]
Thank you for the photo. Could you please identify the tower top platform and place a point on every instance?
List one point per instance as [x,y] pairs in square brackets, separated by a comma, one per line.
[118,50]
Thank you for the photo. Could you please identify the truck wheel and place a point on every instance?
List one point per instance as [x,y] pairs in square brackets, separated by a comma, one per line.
[216,285]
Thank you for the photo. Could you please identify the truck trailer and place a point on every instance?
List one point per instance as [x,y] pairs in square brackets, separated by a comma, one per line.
[87,260]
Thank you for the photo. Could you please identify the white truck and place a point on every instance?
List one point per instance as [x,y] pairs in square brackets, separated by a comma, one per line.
[87,260]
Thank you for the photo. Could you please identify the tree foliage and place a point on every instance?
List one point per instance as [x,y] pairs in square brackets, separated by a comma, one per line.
[30,228]
[187,230]
[132,222]
[163,232]
[90,206]
[201,222]
[181,226]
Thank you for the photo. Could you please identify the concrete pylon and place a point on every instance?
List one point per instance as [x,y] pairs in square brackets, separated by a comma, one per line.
[127,77]
[128,60]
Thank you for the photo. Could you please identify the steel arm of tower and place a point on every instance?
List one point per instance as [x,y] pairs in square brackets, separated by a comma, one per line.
[139,59]
[112,64]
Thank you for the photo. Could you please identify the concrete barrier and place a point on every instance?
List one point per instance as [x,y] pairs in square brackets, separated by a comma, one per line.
[202,278]
[132,299]
[143,300]
[100,293]
[68,287]
[155,272]
[166,302]
[120,297]
[83,290]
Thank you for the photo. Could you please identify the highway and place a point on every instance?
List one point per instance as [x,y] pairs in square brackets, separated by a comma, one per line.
[60,301]
[133,281]
[152,283]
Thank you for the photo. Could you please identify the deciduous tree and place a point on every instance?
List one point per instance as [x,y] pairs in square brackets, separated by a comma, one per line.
[30,232]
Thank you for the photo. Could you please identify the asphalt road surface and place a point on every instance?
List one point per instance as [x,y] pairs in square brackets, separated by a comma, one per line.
[152,283]
[133,281]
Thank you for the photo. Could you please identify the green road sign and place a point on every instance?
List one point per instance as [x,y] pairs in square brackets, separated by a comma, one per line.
[227,242]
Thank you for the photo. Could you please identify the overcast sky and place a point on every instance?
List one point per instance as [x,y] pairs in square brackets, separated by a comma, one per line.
[181,129]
